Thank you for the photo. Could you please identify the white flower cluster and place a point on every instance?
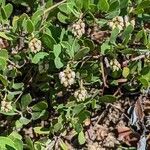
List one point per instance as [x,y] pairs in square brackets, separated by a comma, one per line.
[35,45]
[67,77]
[115,65]
[78,28]
[6,106]
[81,94]
[117,22]
[121,22]
[128,21]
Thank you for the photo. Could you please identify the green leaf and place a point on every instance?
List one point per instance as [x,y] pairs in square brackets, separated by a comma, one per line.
[144,82]
[80,3]
[62,18]
[77,109]
[63,8]
[139,35]
[8,9]
[83,115]
[37,16]
[104,48]
[17,139]
[143,5]
[57,50]
[18,143]
[127,34]
[38,114]
[114,5]
[41,130]
[40,106]
[24,121]
[30,26]
[49,41]
[3,63]
[16,135]
[77,126]
[37,57]
[81,53]
[114,35]
[67,46]
[71,7]
[123,3]
[26,100]
[81,138]
[113,14]
[17,86]
[63,145]
[89,43]
[128,30]
[15,23]
[4,53]
[5,141]
[58,63]
[3,13]
[145,38]
[29,142]
[125,72]
[10,113]
[3,35]
[103,5]
[57,127]
[86,5]
[107,99]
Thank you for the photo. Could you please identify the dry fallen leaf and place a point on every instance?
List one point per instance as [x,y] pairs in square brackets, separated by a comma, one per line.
[139,110]
[126,135]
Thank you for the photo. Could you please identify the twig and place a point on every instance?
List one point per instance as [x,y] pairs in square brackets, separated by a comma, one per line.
[133,59]
[44,17]
[120,111]
[101,116]
[122,80]
[116,92]
[18,97]
[16,65]
[54,6]
[106,62]
[103,72]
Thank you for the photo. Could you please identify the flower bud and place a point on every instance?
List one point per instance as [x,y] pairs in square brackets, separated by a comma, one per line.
[71,81]
[129,21]
[6,106]
[115,65]
[65,83]
[61,75]
[81,94]
[117,22]
[78,28]
[35,45]
[67,77]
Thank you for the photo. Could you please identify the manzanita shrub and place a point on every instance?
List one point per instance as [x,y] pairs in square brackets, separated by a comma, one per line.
[59,61]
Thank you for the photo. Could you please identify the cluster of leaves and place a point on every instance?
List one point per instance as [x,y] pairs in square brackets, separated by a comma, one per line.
[30,81]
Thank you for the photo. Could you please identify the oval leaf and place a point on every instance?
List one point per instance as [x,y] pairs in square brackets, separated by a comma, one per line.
[49,41]
[103,5]
[30,26]
[81,53]
[39,56]
[125,72]
[81,138]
